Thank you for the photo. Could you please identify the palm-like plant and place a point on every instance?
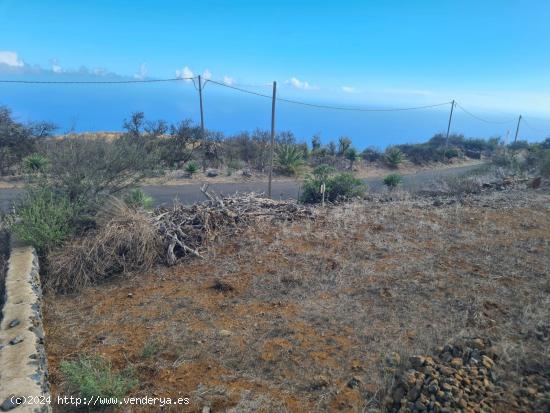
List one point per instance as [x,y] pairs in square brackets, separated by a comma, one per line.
[289,159]
[35,162]
[351,155]
[394,157]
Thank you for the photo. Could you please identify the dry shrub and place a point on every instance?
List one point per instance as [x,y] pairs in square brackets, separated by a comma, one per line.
[126,240]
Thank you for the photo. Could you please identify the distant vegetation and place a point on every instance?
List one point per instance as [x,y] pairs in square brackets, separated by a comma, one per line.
[70,177]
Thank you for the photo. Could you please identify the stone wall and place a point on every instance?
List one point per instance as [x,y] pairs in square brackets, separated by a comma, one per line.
[23,369]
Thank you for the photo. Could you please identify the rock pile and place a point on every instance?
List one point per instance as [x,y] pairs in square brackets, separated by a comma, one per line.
[461,378]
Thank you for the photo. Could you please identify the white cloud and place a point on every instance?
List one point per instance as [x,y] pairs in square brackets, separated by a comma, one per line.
[300,84]
[185,73]
[56,67]
[349,89]
[10,59]
[206,75]
[228,80]
[143,71]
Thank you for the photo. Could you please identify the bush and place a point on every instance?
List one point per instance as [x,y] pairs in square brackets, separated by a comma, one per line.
[138,199]
[87,170]
[337,186]
[392,180]
[289,159]
[394,157]
[452,153]
[18,140]
[44,219]
[35,162]
[191,167]
[92,376]
[351,155]
[371,155]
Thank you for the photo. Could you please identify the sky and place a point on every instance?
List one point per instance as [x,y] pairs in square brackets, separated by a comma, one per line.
[492,56]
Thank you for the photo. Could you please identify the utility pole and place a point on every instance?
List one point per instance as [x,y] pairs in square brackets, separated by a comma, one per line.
[449,125]
[272,138]
[200,100]
[517,129]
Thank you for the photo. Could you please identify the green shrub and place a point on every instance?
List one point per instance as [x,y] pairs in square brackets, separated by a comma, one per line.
[35,162]
[394,157]
[337,186]
[393,180]
[88,169]
[43,219]
[351,155]
[289,159]
[452,153]
[138,199]
[191,167]
[92,376]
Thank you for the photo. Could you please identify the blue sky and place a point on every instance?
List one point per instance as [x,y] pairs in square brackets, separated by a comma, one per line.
[491,55]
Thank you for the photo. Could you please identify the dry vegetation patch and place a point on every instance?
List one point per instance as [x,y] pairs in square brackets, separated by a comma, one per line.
[322,315]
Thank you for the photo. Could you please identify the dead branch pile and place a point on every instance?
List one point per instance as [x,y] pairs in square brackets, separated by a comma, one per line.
[128,240]
[187,229]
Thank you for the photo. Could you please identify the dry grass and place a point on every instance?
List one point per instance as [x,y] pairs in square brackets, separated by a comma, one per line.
[311,310]
[125,241]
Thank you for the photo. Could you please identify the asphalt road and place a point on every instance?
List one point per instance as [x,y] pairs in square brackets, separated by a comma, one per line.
[188,194]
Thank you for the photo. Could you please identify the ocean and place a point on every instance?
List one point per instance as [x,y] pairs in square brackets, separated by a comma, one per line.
[104,107]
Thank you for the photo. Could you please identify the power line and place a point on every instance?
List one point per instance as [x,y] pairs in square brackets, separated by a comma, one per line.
[362,109]
[482,119]
[318,106]
[533,128]
[240,89]
[84,82]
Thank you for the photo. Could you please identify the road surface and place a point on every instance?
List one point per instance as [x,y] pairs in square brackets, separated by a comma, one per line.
[190,193]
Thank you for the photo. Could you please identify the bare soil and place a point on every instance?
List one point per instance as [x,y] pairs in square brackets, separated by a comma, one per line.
[303,316]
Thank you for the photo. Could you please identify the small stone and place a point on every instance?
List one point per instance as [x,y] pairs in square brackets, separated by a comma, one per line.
[531,391]
[212,173]
[420,406]
[413,394]
[205,409]
[478,343]
[433,387]
[462,403]
[16,340]
[487,362]
[11,402]
[130,295]
[225,333]
[13,323]
[417,361]
[456,362]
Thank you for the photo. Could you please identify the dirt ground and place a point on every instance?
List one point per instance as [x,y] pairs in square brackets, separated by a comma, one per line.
[284,317]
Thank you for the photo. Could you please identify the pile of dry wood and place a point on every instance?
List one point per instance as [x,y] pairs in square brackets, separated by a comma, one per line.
[127,240]
[185,230]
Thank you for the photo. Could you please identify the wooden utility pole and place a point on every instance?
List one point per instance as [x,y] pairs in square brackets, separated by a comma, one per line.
[517,129]
[449,125]
[272,138]
[200,100]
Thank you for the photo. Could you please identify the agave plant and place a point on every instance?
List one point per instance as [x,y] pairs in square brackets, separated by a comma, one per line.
[289,159]
[394,157]
[137,198]
[35,162]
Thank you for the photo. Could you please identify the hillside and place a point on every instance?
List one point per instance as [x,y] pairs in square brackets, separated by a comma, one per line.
[323,313]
